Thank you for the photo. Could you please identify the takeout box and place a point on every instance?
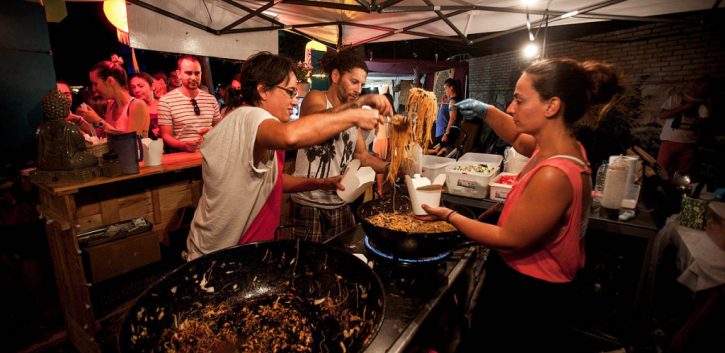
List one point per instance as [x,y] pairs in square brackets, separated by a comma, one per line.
[422,191]
[356,180]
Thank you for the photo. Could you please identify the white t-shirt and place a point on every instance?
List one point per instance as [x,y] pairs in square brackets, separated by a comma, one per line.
[686,131]
[234,188]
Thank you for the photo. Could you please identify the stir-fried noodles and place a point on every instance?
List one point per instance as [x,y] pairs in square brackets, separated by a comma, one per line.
[405,222]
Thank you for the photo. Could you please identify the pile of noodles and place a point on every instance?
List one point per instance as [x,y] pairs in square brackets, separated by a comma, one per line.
[405,222]
[416,127]
[425,106]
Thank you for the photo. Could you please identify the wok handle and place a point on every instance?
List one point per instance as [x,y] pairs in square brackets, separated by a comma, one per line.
[490,210]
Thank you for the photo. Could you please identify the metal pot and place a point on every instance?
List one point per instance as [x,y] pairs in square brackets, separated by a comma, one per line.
[409,245]
[250,273]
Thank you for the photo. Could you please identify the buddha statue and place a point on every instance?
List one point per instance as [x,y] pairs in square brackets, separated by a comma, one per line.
[61,145]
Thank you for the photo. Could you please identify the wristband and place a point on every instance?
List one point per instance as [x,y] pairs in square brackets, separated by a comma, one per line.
[448,218]
[100,124]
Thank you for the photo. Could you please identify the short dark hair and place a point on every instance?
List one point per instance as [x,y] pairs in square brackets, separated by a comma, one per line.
[343,61]
[265,68]
[186,57]
[453,83]
[105,69]
[144,76]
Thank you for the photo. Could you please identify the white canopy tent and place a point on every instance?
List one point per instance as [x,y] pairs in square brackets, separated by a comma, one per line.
[340,23]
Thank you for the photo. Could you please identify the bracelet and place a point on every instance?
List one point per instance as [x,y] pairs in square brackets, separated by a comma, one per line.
[448,218]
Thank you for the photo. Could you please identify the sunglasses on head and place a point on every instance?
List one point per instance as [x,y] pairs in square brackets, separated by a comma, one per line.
[197,111]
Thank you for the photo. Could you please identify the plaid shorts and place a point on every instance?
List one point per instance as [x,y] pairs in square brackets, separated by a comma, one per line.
[319,224]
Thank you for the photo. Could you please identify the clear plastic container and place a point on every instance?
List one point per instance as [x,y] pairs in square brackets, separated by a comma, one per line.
[435,165]
[469,183]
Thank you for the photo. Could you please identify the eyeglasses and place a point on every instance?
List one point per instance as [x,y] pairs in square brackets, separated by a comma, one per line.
[291,92]
[197,111]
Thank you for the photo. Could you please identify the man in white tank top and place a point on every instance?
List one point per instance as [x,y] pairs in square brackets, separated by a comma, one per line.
[321,212]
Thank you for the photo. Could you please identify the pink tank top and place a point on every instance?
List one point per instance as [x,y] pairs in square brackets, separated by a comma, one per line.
[268,218]
[122,122]
[559,259]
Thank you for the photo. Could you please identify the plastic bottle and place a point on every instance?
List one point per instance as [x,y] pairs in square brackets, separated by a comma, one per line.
[599,184]
[614,186]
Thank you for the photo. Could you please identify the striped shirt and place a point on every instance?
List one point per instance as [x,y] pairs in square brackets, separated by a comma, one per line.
[176,109]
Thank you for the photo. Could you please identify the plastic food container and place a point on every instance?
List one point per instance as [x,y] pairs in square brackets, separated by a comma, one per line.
[469,183]
[500,190]
[492,159]
[435,165]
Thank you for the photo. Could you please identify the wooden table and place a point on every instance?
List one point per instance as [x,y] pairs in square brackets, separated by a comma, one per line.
[72,208]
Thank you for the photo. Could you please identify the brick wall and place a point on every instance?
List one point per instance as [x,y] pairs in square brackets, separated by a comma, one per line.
[663,57]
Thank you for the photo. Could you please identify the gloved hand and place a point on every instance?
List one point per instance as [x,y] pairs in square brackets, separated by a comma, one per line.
[471,108]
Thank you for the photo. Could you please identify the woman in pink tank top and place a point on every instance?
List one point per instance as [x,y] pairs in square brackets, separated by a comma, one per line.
[537,244]
[125,113]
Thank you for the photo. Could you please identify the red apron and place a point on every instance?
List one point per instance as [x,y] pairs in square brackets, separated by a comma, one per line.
[268,218]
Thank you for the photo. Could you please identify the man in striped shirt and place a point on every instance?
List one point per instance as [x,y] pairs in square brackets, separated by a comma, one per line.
[187,113]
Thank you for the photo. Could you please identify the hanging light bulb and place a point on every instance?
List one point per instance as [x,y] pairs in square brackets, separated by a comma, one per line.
[531,50]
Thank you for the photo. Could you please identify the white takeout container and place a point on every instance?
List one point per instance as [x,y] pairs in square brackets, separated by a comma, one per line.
[152,151]
[422,191]
[355,180]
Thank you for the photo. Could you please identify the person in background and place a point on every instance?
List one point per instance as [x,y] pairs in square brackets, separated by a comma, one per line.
[322,211]
[124,113]
[74,118]
[244,157]
[682,114]
[187,113]
[174,80]
[160,86]
[447,118]
[141,88]
[232,99]
[528,294]
[236,82]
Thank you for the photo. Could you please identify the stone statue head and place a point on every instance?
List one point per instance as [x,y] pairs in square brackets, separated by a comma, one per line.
[55,105]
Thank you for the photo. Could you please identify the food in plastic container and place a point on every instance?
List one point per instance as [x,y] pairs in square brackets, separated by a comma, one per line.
[464,180]
[501,185]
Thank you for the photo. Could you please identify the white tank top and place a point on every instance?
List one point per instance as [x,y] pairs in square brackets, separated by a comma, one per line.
[322,161]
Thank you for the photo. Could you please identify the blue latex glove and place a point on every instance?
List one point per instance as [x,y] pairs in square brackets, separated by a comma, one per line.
[471,108]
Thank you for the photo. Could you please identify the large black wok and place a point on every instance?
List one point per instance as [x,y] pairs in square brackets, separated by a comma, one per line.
[408,245]
[257,273]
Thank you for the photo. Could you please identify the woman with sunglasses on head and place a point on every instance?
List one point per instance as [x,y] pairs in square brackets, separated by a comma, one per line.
[244,157]
[124,113]
[528,296]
